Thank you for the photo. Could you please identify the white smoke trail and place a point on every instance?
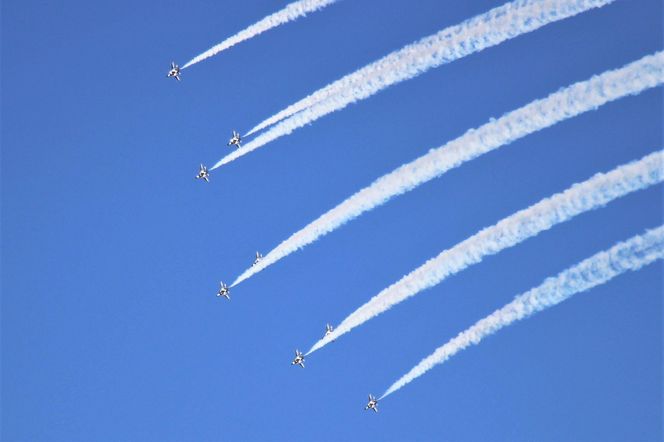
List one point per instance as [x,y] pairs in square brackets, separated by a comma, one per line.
[291,12]
[632,254]
[476,34]
[539,114]
[588,195]
[445,46]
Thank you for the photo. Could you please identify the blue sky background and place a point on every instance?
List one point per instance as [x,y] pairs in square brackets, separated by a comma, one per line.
[112,252]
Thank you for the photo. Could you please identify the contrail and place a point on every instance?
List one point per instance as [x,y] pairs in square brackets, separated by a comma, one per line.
[588,195]
[632,254]
[483,31]
[291,12]
[415,58]
[643,74]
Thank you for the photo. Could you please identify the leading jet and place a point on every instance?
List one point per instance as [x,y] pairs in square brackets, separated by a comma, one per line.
[174,72]
[328,329]
[203,173]
[299,359]
[235,140]
[224,291]
[373,404]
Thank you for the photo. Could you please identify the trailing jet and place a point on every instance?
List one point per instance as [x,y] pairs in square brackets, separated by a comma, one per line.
[299,359]
[224,291]
[175,71]
[373,404]
[235,140]
[203,173]
[258,259]
[328,329]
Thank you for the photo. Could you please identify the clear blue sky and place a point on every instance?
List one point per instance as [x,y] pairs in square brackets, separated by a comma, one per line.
[112,252]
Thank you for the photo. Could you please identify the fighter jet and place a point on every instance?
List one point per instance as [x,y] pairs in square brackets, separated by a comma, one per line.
[258,259]
[203,173]
[373,404]
[299,359]
[328,329]
[235,140]
[224,291]
[174,72]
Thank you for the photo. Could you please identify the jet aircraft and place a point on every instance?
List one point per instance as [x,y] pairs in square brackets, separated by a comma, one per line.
[258,259]
[328,329]
[224,291]
[235,140]
[203,173]
[299,359]
[373,404]
[175,71]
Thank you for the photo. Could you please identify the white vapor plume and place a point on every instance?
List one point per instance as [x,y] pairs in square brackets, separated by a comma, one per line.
[445,46]
[561,207]
[473,35]
[632,254]
[645,73]
[291,12]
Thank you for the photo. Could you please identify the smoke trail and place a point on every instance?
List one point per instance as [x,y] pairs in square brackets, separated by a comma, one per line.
[632,254]
[588,195]
[473,35]
[291,12]
[539,114]
[443,47]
